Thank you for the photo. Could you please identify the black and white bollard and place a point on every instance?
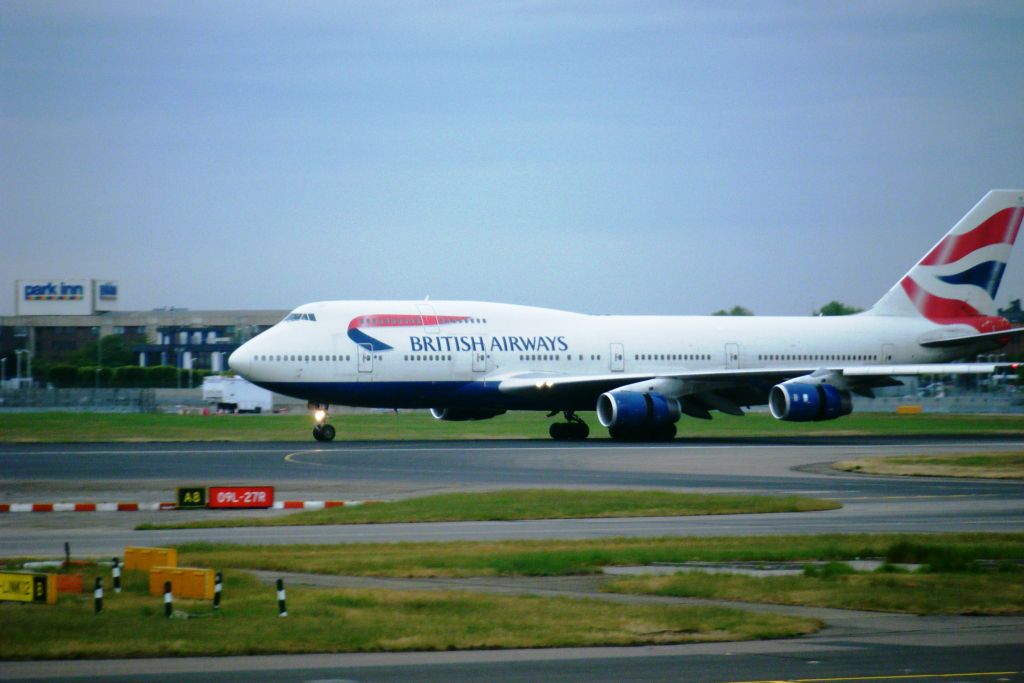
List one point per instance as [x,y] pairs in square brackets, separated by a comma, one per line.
[282,611]
[97,595]
[168,600]
[218,581]
[67,553]
[117,576]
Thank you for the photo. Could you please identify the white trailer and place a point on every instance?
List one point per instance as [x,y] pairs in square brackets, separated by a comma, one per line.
[236,395]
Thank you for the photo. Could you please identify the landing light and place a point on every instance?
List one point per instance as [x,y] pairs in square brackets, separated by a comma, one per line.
[319,416]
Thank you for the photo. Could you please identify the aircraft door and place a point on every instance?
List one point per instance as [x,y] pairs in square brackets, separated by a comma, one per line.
[365,352]
[616,357]
[732,356]
[428,318]
[479,361]
[888,353]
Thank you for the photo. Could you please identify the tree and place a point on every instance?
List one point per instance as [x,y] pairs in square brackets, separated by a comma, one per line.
[63,375]
[735,310]
[128,376]
[837,308]
[116,351]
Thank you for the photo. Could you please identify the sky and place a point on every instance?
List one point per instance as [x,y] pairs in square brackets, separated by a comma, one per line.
[605,157]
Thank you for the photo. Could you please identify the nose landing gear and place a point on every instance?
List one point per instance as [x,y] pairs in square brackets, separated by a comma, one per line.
[322,431]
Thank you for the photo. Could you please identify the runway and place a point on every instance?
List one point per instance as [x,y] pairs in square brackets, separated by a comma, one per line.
[389,470]
[885,646]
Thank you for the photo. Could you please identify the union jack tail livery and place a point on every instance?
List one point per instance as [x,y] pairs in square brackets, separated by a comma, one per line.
[957,280]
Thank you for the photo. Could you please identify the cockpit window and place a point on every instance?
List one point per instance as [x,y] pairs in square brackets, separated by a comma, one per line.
[300,316]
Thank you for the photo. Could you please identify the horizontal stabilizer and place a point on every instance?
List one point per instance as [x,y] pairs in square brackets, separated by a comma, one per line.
[922,369]
[967,340]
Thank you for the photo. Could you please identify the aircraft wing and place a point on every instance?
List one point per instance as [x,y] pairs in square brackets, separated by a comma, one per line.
[726,390]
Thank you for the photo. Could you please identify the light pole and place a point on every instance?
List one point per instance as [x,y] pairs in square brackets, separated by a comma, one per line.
[19,353]
[99,354]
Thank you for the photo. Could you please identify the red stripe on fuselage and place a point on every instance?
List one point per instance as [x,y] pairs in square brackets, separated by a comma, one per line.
[1000,228]
[403,320]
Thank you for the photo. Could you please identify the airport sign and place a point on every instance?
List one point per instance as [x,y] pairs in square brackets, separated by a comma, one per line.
[28,587]
[241,497]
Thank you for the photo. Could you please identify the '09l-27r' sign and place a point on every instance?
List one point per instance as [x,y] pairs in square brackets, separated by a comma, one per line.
[241,497]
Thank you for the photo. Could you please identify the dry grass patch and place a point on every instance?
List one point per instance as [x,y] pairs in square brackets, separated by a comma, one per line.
[590,556]
[322,620]
[529,504]
[995,465]
[989,593]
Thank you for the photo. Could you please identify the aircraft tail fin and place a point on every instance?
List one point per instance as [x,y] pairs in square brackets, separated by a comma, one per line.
[957,280]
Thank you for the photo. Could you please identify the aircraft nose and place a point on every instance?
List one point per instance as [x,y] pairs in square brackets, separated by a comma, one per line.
[239,360]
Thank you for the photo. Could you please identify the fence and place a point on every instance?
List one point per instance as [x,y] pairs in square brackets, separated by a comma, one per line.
[88,400]
[152,400]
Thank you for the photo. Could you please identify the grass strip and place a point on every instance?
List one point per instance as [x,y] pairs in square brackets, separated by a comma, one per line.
[989,593]
[994,465]
[527,504]
[590,556]
[108,427]
[326,620]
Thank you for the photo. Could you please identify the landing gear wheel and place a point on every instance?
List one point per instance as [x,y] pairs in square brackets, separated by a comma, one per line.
[573,429]
[324,432]
[622,433]
[659,433]
[664,433]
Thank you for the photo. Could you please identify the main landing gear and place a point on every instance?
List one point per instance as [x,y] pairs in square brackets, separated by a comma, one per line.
[321,430]
[665,432]
[573,429]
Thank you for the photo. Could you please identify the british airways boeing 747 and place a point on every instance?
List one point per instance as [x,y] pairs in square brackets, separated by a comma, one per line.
[470,360]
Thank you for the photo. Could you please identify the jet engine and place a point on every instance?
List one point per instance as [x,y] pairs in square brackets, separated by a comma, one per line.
[798,402]
[462,415]
[635,410]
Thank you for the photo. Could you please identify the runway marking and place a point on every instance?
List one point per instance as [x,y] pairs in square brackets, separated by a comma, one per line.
[177,451]
[894,677]
[376,446]
[919,497]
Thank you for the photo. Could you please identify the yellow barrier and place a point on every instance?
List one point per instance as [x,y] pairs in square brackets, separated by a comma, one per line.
[146,558]
[28,587]
[186,582]
[908,410]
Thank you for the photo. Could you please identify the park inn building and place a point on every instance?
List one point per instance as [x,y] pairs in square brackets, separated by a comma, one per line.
[56,317]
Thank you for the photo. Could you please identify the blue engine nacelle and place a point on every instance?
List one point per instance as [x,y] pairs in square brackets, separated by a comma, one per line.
[462,415]
[632,409]
[808,402]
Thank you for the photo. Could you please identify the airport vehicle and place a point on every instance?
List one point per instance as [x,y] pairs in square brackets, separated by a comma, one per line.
[236,395]
[468,360]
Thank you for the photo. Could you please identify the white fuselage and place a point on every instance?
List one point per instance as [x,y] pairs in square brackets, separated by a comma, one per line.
[409,354]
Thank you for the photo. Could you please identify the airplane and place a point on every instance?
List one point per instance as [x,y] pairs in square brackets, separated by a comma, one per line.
[472,360]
